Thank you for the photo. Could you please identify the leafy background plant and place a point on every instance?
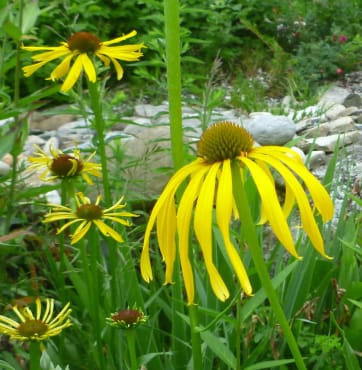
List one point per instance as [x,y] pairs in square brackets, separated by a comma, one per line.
[322,298]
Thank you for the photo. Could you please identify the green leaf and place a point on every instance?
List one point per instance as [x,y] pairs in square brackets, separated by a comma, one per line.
[270,364]
[219,349]
[30,15]
[4,365]
[6,143]
[12,30]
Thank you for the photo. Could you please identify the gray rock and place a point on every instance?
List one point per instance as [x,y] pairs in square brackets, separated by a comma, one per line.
[353,100]
[317,158]
[4,168]
[334,95]
[270,129]
[334,111]
[38,122]
[329,143]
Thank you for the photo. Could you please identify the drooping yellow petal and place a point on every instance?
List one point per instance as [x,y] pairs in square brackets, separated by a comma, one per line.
[88,67]
[167,194]
[224,206]
[308,221]
[61,69]
[272,207]
[184,214]
[73,74]
[108,231]
[321,199]
[80,231]
[166,234]
[203,229]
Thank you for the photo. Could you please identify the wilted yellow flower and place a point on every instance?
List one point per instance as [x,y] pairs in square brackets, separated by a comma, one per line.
[36,327]
[60,165]
[210,183]
[87,214]
[83,46]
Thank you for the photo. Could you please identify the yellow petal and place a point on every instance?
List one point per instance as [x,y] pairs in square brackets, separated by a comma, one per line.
[119,39]
[224,206]
[29,70]
[321,199]
[167,194]
[271,205]
[108,231]
[73,75]
[88,67]
[166,232]
[203,229]
[80,231]
[308,222]
[61,70]
[184,213]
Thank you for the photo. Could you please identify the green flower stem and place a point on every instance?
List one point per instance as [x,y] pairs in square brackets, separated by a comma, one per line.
[238,334]
[35,354]
[195,337]
[173,51]
[131,341]
[251,239]
[94,294]
[19,126]
[100,128]
[173,65]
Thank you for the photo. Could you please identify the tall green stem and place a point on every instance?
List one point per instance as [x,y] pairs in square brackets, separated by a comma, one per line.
[251,239]
[173,65]
[99,125]
[131,341]
[173,50]
[195,337]
[20,127]
[34,354]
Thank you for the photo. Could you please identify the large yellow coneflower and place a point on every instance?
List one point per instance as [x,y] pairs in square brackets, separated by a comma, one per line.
[210,184]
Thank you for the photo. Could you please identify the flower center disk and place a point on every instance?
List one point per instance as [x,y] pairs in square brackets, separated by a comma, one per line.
[31,328]
[65,165]
[89,212]
[84,42]
[224,140]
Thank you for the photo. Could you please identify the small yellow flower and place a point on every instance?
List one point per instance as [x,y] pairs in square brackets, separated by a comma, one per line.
[61,165]
[82,46]
[88,213]
[210,182]
[36,327]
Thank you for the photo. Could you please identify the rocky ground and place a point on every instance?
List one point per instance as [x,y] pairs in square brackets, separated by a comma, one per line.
[317,131]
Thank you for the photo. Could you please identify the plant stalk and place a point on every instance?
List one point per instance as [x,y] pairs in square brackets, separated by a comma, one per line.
[251,239]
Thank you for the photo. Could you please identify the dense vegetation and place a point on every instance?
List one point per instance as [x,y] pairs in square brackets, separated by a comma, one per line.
[248,50]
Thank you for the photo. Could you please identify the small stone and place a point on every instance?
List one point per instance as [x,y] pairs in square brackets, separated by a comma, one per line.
[353,100]
[329,143]
[334,95]
[317,158]
[148,110]
[334,111]
[270,129]
[4,168]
